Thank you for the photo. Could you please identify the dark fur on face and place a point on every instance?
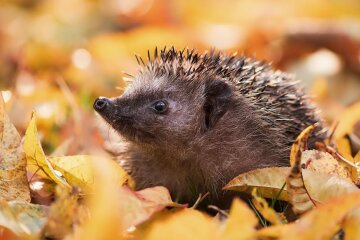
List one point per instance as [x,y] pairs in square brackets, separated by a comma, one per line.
[196,121]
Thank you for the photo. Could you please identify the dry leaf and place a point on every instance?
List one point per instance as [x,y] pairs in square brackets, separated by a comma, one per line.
[347,120]
[299,196]
[272,232]
[35,156]
[25,220]
[78,171]
[184,224]
[106,217]
[323,222]
[263,207]
[241,222]
[13,180]
[343,147]
[351,227]
[352,165]
[325,163]
[61,214]
[119,208]
[137,207]
[269,181]
[299,144]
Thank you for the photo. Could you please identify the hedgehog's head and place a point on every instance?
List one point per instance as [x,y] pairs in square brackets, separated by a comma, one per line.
[165,105]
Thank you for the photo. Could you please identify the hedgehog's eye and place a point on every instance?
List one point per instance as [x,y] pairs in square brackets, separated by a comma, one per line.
[160,106]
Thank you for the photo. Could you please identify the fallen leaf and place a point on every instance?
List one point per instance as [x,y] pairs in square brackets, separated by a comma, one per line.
[106,221]
[299,144]
[119,208]
[298,194]
[60,220]
[263,207]
[25,220]
[138,207]
[347,120]
[323,222]
[272,232]
[269,181]
[184,224]
[78,171]
[351,227]
[13,179]
[157,195]
[241,223]
[355,139]
[35,156]
[343,147]
[325,163]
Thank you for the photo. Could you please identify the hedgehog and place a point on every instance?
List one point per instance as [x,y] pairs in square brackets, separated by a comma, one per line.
[193,121]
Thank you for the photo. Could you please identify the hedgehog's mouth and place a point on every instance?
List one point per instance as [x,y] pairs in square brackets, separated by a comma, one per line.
[123,124]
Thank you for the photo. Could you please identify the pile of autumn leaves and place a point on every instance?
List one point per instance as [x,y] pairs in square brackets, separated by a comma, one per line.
[95,200]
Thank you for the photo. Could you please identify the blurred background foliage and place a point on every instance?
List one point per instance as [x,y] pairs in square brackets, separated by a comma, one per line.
[57,56]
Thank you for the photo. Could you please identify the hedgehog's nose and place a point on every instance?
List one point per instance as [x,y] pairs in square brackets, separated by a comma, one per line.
[101,103]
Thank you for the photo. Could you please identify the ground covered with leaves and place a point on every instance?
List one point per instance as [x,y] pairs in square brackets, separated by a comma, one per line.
[94,196]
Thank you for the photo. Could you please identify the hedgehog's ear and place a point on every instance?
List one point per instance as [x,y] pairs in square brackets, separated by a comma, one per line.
[218,96]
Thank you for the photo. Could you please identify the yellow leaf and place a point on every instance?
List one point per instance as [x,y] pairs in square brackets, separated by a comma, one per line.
[13,179]
[343,147]
[347,120]
[106,217]
[323,222]
[241,222]
[61,216]
[357,158]
[351,227]
[299,144]
[184,224]
[78,171]
[35,156]
[268,181]
[263,207]
[273,232]
[298,195]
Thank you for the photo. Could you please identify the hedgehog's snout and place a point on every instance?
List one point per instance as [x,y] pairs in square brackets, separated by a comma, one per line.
[101,104]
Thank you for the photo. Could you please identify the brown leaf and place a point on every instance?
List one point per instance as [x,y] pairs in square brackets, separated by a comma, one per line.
[298,195]
[13,180]
[139,206]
